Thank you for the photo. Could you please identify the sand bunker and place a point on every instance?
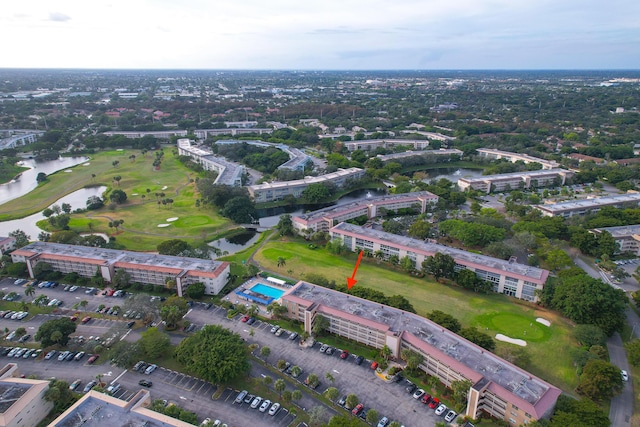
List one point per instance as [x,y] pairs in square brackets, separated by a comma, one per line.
[120,149]
[68,170]
[165,187]
[175,218]
[521,343]
[163,225]
[134,194]
[545,322]
[86,164]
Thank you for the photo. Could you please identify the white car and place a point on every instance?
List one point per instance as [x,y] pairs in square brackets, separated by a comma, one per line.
[275,329]
[274,408]
[418,393]
[451,415]
[256,402]
[383,422]
[441,409]
[625,375]
[265,405]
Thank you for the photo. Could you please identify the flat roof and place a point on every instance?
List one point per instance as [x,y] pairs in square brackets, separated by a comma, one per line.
[341,173]
[497,177]
[522,156]
[113,256]
[590,203]
[424,153]
[459,254]
[467,355]
[621,231]
[10,393]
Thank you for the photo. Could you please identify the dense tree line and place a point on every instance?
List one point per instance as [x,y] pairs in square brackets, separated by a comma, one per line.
[233,202]
[263,159]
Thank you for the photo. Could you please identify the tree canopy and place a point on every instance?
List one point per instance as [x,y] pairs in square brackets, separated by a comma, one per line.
[600,380]
[214,354]
[55,331]
[172,310]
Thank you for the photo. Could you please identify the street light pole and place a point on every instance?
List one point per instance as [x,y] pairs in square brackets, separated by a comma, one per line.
[633,330]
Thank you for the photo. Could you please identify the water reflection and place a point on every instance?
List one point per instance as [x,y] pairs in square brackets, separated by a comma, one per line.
[236,243]
[27,180]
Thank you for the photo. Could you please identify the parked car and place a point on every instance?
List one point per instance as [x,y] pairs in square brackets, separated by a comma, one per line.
[50,355]
[244,319]
[90,385]
[74,385]
[625,375]
[323,348]
[79,356]
[86,319]
[150,369]
[418,393]
[293,336]
[240,397]
[359,407]
[249,398]
[435,402]
[441,409]
[256,401]
[342,400]
[451,415]
[344,354]
[27,337]
[63,355]
[265,405]
[113,388]
[274,329]
[279,332]
[274,408]
[410,388]
[383,422]
[426,399]
[93,358]
[359,360]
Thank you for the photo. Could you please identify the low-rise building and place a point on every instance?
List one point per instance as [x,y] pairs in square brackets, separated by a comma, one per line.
[507,277]
[141,267]
[372,144]
[324,219]
[516,180]
[498,388]
[437,155]
[7,244]
[493,154]
[627,237]
[163,134]
[22,401]
[298,160]
[229,173]
[589,206]
[272,191]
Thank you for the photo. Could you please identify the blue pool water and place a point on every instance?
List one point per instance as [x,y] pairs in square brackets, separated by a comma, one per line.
[267,290]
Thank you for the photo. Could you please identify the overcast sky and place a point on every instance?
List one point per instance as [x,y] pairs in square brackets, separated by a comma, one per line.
[321,34]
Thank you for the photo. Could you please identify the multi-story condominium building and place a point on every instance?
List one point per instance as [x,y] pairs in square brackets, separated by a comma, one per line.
[589,206]
[490,153]
[229,173]
[498,388]
[627,237]
[7,244]
[453,154]
[507,277]
[16,138]
[242,124]
[297,159]
[372,144]
[142,267]
[324,219]
[516,180]
[204,133]
[272,191]
[23,400]
[163,134]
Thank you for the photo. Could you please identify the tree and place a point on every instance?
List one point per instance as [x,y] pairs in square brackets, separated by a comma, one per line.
[195,290]
[600,380]
[589,335]
[633,351]
[154,342]
[20,332]
[558,259]
[174,247]
[321,324]
[265,352]
[29,291]
[343,420]
[22,238]
[94,202]
[420,229]
[267,380]
[285,225]
[41,177]
[240,210]
[281,261]
[351,401]
[479,338]
[439,265]
[66,208]
[40,300]
[279,386]
[286,396]
[276,310]
[172,310]
[316,193]
[296,395]
[55,331]
[214,354]
[121,278]
[372,416]
[296,371]
[118,196]
[332,393]
[460,393]
[445,320]
[573,412]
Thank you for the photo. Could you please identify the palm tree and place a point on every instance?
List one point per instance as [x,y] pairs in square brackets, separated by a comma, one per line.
[281,261]
[29,290]
[279,385]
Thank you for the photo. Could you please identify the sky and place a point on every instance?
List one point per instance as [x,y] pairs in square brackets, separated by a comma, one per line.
[321,34]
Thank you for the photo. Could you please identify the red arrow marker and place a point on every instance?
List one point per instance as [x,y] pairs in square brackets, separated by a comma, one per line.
[352,280]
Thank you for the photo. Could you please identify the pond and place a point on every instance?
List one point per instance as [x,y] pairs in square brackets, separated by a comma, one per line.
[236,243]
[452,174]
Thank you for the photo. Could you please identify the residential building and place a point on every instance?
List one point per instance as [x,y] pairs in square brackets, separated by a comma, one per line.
[163,134]
[490,153]
[146,268]
[22,402]
[298,160]
[7,244]
[205,133]
[627,237]
[498,388]
[242,124]
[372,144]
[96,409]
[507,277]
[229,173]
[516,180]
[17,138]
[584,158]
[272,191]
[324,219]
[437,155]
[589,206]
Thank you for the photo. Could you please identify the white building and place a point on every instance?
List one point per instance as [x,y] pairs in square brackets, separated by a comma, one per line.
[229,173]
[589,206]
[516,180]
[490,153]
[7,244]
[627,237]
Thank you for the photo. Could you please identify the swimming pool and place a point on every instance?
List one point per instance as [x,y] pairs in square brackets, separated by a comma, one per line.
[267,290]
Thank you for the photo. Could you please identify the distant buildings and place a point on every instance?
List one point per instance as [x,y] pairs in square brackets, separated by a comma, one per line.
[516,180]
[436,155]
[163,134]
[22,401]
[324,219]
[497,387]
[627,237]
[7,244]
[12,138]
[372,144]
[589,206]
[229,173]
[298,160]
[273,191]
[142,267]
[492,154]
[507,277]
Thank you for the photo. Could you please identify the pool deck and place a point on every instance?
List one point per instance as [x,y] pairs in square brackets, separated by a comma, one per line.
[244,291]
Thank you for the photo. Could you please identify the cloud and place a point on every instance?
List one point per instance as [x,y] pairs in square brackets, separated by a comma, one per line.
[58,17]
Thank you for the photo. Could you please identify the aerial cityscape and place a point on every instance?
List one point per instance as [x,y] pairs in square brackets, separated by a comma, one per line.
[290,214]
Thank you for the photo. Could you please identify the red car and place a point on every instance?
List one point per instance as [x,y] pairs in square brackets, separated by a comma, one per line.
[434,403]
[93,359]
[374,365]
[357,409]
[426,398]
[344,354]
[244,319]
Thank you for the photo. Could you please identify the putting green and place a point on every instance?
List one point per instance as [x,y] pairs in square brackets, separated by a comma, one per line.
[515,326]
[192,221]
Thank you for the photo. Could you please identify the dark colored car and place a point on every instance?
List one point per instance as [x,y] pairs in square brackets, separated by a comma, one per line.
[145,383]
[359,360]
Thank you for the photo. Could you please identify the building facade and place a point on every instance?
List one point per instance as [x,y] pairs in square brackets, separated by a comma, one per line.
[163,134]
[324,219]
[516,180]
[589,206]
[507,277]
[229,173]
[437,155]
[7,244]
[273,191]
[142,267]
[22,401]
[492,154]
[498,388]
[627,237]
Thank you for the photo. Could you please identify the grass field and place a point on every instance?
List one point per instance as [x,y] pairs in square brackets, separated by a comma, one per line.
[141,213]
[492,313]
[8,172]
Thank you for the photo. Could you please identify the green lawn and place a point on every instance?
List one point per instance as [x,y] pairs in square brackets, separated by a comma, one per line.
[493,313]
[8,172]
